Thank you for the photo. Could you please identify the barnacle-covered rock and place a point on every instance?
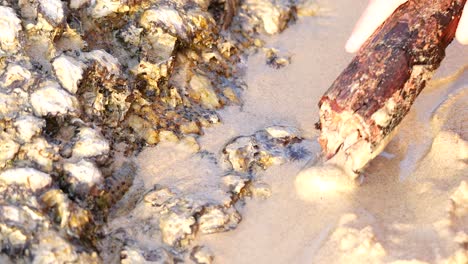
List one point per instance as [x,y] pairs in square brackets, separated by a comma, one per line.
[259,189]
[11,26]
[52,10]
[274,15]
[69,71]
[271,146]
[75,4]
[28,177]
[68,214]
[52,248]
[8,148]
[82,77]
[27,127]
[176,228]
[83,175]
[202,90]
[157,256]
[104,8]
[217,219]
[276,59]
[13,103]
[103,59]
[39,153]
[202,255]
[90,143]
[15,75]
[51,99]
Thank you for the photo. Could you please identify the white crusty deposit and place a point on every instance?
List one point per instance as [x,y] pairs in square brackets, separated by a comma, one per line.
[51,99]
[11,26]
[29,177]
[69,71]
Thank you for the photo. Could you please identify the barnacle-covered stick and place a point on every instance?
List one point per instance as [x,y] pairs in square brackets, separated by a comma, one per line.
[373,94]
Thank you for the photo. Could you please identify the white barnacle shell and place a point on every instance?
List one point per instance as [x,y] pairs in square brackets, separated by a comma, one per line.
[202,89]
[15,73]
[10,27]
[27,127]
[8,148]
[28,177]
[69,71]
[84,172]
[90,143]
[167,17]
[104,8]
[104,59]
[52,99]
[75,4]
[52,10]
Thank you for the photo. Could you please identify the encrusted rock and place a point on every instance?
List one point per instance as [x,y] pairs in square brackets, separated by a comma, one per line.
[27,127]
[29,177]
[8,148]
[11,26]
[40,153]
[275,59]
[52,248]
[202,255]
[69,71]
[52,10]
[175,228]
[234,183]
[13,103]
[274,14]
[104,8]
[82,72]
[217,219]
[158,197]
[166,17]
[158,256]
[202,90]
[104,59]
[51,99]
[260,190]
[274,145]
[15,75]
[83,175]
[72,217]
[90,144]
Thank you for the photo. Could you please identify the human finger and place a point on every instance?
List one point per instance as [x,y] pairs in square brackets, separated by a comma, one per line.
[462,29]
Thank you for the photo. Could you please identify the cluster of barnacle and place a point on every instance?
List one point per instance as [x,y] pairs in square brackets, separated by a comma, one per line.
[77,76]
[272,146]
[172,220]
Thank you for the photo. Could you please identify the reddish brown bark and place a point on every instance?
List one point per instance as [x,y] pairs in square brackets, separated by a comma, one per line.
[373,94]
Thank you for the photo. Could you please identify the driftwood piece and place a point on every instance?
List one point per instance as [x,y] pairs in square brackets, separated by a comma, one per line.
[373,94]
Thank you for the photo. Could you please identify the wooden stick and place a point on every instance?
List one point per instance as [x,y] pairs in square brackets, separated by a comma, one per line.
[373,94]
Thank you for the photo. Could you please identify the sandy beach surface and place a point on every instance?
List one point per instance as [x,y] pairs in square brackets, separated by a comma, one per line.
[412,205]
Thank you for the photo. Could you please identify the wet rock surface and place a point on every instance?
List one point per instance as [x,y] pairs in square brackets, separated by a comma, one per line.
[82,82]
[184,205]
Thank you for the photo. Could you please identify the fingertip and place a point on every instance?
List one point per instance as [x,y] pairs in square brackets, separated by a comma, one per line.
[462,30]
[351,46]
[462,39]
